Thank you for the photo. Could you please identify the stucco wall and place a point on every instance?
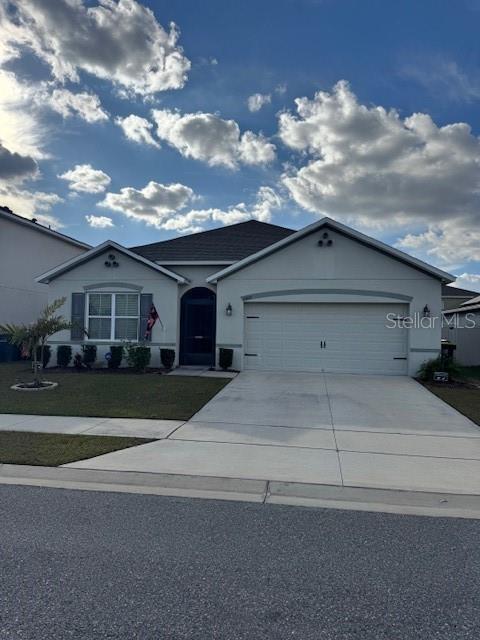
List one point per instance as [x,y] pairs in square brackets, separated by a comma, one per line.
[26,253]
[465,333]
[130,275]
[345,266]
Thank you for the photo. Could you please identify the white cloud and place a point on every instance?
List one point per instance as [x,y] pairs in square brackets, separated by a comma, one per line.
[117,41]
[266,201]
[468,281]
[452,241]
[258,100]
[84,178]
[154,204]
[22,106]
[21,129]
[163,206]
[137,129]
[99,222]
[281,88]
[85,105]
[370,165]
[29,204]
[209,138]
[443,78]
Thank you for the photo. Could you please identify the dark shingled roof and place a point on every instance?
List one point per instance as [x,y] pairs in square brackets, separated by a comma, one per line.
[227,244]
[456,292]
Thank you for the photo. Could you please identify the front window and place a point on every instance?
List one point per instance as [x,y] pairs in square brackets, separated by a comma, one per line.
[113,316]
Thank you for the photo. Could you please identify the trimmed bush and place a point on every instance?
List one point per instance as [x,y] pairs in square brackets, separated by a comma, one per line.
[428,368]
[89,354]
[64,355]
[225,358]
[47,354]
[116,356]
[78,362]
[138,357]
[167,356]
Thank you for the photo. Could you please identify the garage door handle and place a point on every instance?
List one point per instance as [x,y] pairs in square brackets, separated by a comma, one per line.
[323,344]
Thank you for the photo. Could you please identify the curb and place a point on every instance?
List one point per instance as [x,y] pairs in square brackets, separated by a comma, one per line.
[246,490]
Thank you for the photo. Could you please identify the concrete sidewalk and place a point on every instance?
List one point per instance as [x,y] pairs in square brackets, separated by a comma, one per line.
[126,427]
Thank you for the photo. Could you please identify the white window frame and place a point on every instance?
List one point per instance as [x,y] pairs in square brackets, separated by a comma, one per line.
[112,316]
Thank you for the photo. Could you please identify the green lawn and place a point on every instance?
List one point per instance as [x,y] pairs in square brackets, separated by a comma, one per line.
[107,394]
[53,449]
[463,399]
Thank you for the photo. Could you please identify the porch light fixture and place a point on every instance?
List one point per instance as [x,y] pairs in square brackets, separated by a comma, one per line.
[426,311]
[228,310]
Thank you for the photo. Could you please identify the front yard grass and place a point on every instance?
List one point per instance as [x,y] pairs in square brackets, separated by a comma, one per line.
[463,399]
[107,394]
[54,449]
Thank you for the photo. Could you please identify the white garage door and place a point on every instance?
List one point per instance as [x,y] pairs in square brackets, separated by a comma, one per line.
[342,338]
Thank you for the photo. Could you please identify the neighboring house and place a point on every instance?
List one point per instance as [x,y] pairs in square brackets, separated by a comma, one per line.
[464,331]
[27,248]
[324,298]
[453,297]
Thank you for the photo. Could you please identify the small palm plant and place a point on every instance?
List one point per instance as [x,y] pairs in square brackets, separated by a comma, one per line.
[29,337]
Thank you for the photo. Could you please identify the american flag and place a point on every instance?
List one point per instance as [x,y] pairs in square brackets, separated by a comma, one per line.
[152,318]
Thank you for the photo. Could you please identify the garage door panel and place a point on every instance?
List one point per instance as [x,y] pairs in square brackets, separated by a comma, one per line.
[289,337]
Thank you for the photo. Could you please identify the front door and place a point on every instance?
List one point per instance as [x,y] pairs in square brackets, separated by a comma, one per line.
[197,327]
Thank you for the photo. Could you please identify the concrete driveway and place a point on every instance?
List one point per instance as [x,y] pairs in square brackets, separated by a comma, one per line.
[350,430]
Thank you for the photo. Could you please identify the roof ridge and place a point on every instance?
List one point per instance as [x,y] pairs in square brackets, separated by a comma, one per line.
[33,224]
[221,228]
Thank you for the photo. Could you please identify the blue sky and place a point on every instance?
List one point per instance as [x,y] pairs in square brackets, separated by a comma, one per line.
[113,126]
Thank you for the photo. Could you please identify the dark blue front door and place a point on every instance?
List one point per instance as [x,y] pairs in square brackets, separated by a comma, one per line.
[197,327]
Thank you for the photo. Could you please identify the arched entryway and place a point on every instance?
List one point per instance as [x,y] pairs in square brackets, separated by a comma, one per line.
[197,327]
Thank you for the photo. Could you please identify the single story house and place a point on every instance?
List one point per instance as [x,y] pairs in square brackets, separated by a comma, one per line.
[463,326]
[324,298]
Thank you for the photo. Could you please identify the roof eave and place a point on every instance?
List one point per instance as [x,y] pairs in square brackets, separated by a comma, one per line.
[13,217]
[467,309]
[443,276]
[48,276]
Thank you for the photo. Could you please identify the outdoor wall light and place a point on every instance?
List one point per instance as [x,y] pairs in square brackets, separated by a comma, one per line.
[426,311]
[228,310]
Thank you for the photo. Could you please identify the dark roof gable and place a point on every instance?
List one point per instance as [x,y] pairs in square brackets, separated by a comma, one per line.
[229,244]
[456,292]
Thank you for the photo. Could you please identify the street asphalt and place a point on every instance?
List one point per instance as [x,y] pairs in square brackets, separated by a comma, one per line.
[89,565]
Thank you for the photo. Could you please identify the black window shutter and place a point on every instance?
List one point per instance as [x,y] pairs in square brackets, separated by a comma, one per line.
[77,331]
[146,301]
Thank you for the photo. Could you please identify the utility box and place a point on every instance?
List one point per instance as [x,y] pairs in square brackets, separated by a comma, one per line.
[8,352]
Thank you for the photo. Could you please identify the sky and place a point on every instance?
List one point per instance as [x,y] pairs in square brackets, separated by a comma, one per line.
[142,121]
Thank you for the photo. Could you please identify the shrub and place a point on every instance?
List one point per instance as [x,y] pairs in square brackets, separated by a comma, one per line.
[89,354]
[428,368]
[225,358]
[64,355]
[47,353]
[78,361]
[138,357]
[116,356]
[167,356]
